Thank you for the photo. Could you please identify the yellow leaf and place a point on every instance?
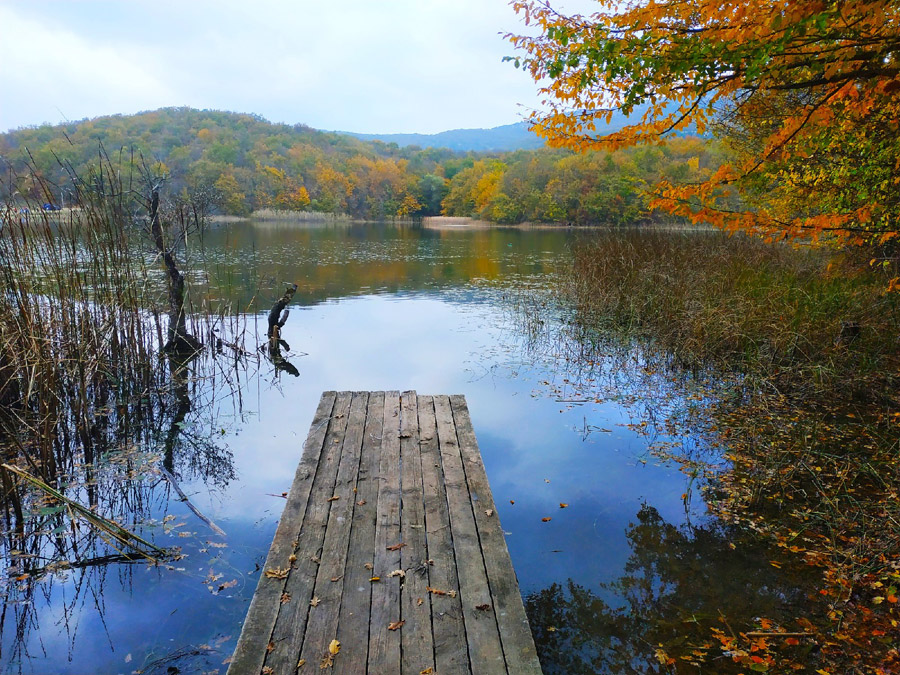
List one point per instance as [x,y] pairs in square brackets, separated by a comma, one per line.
[334,647]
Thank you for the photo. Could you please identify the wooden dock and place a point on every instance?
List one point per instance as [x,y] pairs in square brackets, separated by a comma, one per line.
[389,545]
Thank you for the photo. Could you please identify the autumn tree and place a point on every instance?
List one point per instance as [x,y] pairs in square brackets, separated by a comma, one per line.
[805,94]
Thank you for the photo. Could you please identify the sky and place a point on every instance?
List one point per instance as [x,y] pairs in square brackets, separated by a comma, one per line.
[371,66]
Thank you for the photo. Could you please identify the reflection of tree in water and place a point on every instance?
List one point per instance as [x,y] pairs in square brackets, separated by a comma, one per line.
[115,464]
[678,583]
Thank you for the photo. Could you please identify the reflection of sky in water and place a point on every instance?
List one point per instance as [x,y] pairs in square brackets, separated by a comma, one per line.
[454,338]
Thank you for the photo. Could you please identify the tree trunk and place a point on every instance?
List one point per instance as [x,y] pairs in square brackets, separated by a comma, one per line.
[178,339]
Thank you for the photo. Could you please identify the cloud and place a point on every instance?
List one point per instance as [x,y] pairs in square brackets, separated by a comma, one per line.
[49,73]
[395,65]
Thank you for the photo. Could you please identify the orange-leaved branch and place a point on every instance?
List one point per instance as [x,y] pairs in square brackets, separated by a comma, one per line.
[804,95]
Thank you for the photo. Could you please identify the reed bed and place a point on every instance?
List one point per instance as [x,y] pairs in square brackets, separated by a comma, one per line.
[89,399]
[804,320]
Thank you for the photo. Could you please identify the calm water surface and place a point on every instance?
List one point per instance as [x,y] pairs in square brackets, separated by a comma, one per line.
[383,307]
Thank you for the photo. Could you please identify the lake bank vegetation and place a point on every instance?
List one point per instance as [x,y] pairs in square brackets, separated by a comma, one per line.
[106,355]
[803,99]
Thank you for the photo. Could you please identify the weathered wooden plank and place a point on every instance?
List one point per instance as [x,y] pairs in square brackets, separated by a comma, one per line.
[322,626]
[287,637]
[353,624]
[518,644]
[380,470]
[260,621]
[482,633]
[450,653]
[384,645]
[417,652]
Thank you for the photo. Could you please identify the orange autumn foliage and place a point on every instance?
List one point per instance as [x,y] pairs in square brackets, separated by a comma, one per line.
[805,95]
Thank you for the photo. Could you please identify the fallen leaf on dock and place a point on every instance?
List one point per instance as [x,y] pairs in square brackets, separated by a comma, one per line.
[337,578]
[394,625]
[375,579]
[361,502]
[489,512]
[485,607]
[301,663]
[419,602]
[278,572]
[427,671]
[438,591]
[369,566]
[334,647]
[396,547]
[315,601]
[397,573]
[285,598]
[331,499]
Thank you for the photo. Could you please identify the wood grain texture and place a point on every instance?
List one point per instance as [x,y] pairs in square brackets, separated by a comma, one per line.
[384,644]
[390,544]
[450,653]
[417,651]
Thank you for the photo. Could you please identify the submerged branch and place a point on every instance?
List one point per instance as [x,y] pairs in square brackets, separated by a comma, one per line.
[169,477]
[119,533]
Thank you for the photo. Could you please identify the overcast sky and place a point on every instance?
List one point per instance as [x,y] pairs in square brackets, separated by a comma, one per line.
[377,66]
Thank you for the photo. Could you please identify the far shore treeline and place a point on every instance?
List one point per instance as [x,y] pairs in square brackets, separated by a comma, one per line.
[250,164]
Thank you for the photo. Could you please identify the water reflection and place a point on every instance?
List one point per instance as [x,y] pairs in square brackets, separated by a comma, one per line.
[380,307]
[678,582]
[60,569]
[251,260]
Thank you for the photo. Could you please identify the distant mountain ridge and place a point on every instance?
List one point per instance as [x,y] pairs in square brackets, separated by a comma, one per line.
[504,138]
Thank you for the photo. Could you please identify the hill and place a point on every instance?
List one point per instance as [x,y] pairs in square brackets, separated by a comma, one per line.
[242,163]
[498,139]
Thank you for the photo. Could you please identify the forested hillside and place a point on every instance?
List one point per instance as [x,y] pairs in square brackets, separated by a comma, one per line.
[250,164]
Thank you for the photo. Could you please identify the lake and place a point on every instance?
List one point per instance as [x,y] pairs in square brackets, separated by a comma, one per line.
[630,563]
